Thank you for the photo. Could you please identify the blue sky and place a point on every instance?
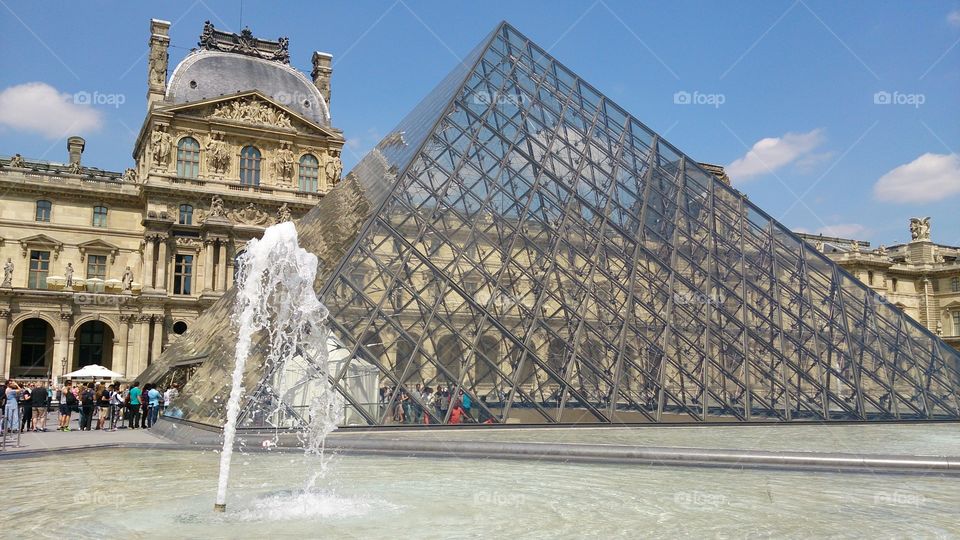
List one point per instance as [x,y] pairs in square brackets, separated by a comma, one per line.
[784,93]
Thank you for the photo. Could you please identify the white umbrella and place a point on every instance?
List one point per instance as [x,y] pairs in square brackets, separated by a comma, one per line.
[92,371]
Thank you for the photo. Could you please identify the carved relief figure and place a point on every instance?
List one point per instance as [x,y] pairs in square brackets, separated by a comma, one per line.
[69,274]
[218,155]
[332,167]
[283,214]
[920,228]
[17,161]
[818,245]
[158,66]
[129,175]
[250,215]
[882,250]
[7,273]
[285,162]
[75,168]
[253,111]
[216,207]
[855,247]
[127,279]
[161,142]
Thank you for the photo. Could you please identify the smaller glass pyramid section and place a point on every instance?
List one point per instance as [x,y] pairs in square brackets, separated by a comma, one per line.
[530,253]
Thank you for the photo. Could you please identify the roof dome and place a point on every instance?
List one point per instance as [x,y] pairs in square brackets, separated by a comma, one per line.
[206,74]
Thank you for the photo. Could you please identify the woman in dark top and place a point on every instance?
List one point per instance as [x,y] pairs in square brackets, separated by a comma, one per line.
[103,405]
[26,410]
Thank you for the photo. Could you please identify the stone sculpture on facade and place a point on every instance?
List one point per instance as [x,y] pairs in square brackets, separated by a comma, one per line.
[216,207]
[158,66]
[253,111]
[7,273]
[285,162]
[854,247]
[129,175]
[127,280]
[920,228]
[75,168]
[284,214]
[17,161]
[161,142]
[68,273]
[818,245]
[250,215]
[882,250]
[218,155]
[332,167]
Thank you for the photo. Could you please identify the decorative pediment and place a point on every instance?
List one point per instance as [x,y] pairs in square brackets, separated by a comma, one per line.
[98,246]
[250,108]
[41,241]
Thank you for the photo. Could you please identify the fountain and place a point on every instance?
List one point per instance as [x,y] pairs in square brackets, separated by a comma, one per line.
[275,296]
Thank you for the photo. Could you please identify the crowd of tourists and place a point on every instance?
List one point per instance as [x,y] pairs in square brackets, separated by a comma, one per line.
[98,405]
[443,405]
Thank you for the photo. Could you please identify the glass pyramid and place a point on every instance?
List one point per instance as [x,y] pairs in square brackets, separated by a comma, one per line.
[522,241]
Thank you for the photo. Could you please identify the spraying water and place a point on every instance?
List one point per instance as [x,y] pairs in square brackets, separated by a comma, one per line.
[275,295]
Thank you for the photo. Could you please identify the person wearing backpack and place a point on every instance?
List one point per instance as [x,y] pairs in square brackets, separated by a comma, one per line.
[87,403]
[68,404]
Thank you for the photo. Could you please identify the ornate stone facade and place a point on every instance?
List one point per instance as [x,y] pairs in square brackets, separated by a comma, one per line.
[110,267]
[921,278]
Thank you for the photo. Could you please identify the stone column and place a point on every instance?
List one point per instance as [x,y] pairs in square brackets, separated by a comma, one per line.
[157,344]
[222,277]
[124,364]
[157,60]
[148,262]
[208,247]
[143,327]
[161,283]
[4,322]
[63,337]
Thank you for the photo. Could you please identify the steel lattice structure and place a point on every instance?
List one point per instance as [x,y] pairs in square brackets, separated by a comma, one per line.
[522,239]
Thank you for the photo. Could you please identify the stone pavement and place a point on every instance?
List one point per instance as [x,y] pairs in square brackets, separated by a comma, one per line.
[53,440]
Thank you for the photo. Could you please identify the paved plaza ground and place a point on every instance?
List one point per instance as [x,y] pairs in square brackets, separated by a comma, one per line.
[31,442]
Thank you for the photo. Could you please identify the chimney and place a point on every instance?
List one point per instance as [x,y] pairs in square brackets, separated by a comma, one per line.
[157,61]
[321,73]
[75,148]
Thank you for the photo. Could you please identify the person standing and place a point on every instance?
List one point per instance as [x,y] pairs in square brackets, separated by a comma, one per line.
[39,399]
[133,404]
[103,405]
[153,404]
[68,402]
[116,406]
[11,411]
[171,394]
[145,405]
[87,406]
[26,410]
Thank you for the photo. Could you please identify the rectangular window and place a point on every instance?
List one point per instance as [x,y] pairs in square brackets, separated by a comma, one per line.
[99,216]
[96,266]
[956,323]
[893,284]
[39,268]
[43,210]
[955,284]
[182,274]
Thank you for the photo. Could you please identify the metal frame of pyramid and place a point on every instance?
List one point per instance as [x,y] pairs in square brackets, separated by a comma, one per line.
[523,240]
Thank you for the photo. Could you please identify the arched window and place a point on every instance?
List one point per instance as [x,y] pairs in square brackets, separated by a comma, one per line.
[186,214]
[309,172]
[43,210]
[250,166]
[188,158]
[99,216]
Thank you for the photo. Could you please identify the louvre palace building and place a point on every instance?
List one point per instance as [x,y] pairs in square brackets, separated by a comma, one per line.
[110,267]
[547,255]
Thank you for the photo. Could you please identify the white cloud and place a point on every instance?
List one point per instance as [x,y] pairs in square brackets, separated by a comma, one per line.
[40,108]
[953,18]
[772,153]
[930,177]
